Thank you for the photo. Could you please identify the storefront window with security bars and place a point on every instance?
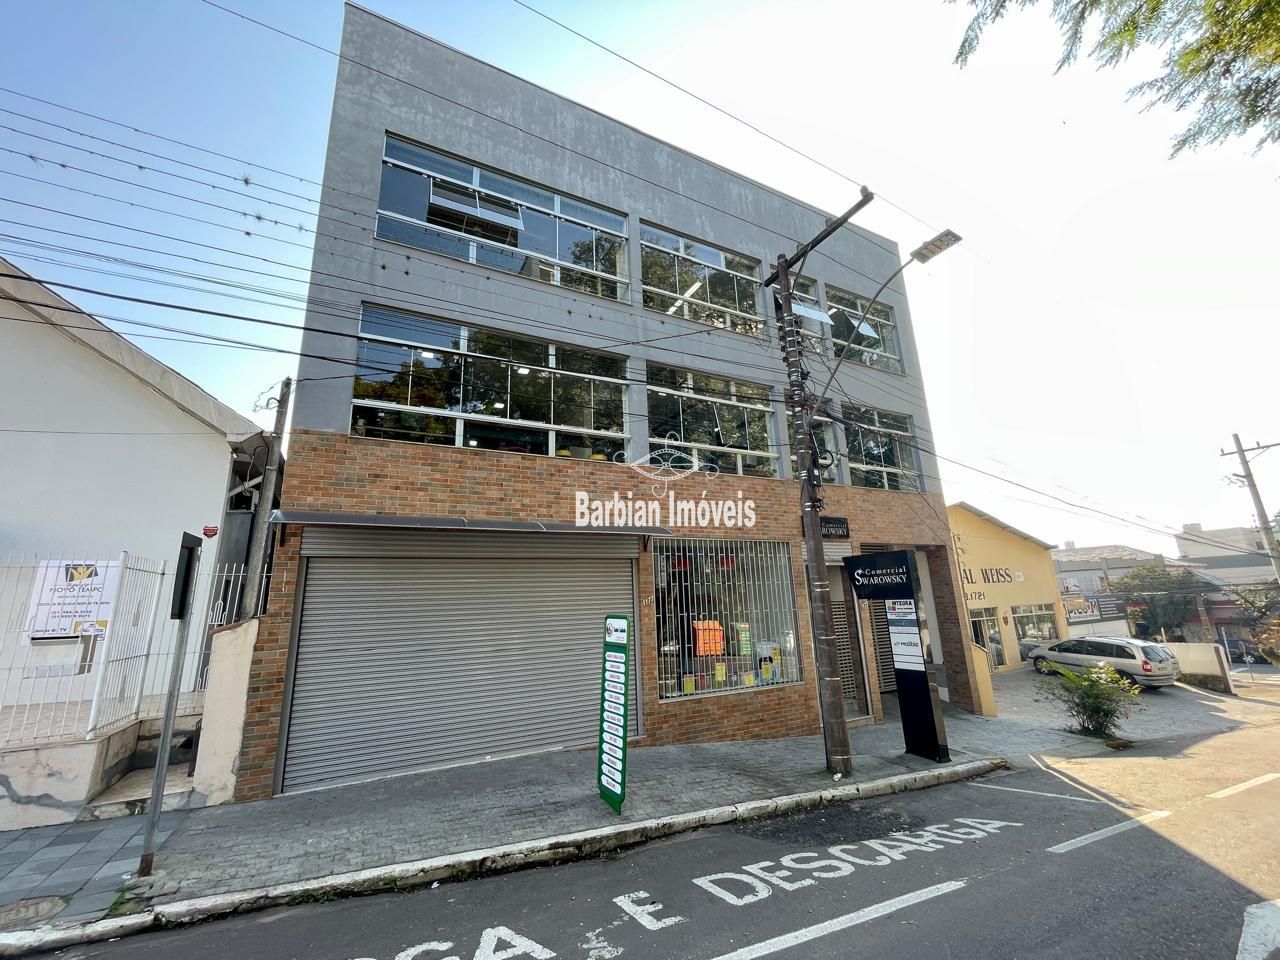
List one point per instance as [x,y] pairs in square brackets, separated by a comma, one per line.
[691,279]
[711,422]
[431,381]
[869,330]
[449,206]
[725,614]
[881,449]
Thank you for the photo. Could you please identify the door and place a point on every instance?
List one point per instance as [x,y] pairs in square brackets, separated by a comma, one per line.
[411,663]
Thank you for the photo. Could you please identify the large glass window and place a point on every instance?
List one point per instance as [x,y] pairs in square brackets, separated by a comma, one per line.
[869,329]
[430,381]
[721,423]
[804,302]
[726,615]
[881,448]
[455,208]
[1034,624]
[824,436]
[691,279]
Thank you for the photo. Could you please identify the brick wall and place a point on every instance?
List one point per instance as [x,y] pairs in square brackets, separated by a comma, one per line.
[335,473]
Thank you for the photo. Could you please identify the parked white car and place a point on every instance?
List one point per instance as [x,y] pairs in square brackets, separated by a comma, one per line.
[1142,661]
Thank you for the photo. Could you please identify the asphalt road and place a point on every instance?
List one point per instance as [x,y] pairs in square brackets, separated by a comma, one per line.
[1155,852]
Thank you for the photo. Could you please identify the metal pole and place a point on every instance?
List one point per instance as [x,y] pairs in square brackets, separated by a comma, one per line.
[166,734]
[835,732]
[266,497]
[1264,521]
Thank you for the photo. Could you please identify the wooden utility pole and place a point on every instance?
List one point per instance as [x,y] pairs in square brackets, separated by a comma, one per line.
[835,732]
[266,497]
[1264,520]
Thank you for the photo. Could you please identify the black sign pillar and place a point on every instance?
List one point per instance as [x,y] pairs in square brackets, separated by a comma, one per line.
[888,577]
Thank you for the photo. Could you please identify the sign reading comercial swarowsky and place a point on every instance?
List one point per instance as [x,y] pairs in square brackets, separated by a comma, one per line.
[889,577]
[611,768]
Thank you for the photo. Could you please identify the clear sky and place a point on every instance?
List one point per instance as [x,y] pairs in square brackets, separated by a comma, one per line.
[1109,321]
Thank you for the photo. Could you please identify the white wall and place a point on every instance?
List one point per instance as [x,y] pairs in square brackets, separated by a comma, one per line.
[1104,628]
[96,492]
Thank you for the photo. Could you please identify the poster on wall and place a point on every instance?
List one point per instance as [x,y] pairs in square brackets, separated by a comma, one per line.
[889,577]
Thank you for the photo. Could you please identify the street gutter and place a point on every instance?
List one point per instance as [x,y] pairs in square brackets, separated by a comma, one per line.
[473,863]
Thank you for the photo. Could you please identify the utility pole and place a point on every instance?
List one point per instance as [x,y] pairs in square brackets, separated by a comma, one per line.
[1264,520]
[266,497]
[835,732]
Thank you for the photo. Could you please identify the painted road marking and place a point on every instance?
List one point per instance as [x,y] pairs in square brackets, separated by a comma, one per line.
[1038,793]
[1265,778]
[766,947]
[1107,832]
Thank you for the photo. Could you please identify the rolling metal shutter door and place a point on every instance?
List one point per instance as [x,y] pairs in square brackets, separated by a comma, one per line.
[412,663]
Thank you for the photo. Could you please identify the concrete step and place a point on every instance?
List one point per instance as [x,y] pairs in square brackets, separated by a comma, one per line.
[131,794]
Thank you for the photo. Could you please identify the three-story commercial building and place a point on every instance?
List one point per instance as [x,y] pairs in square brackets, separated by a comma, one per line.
[541,383]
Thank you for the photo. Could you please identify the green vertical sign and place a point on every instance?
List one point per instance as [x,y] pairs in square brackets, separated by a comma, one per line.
[611,765]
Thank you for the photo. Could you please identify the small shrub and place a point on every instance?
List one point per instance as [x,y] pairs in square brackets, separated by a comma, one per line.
[1096,700]
[1271,652]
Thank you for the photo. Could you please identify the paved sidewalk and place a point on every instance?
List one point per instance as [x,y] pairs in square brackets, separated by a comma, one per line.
[66,874]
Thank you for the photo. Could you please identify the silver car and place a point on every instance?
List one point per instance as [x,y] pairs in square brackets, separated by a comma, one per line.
[1144,662]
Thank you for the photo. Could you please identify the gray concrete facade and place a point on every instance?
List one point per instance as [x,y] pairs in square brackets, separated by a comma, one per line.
[394,80]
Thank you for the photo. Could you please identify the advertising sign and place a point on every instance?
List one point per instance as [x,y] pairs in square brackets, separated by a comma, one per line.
[1094,609]
[834,528]
[611,766]
[71,596]
[889,577]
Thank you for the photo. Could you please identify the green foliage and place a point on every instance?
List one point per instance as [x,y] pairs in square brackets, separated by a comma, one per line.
[1096,700]
[1257,602]
[1222,57]
[1169,597]
[1269,641]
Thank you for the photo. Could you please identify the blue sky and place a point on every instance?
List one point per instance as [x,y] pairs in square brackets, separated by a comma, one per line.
[1107,324]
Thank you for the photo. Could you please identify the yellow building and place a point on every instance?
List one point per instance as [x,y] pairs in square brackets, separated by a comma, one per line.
[1010,587]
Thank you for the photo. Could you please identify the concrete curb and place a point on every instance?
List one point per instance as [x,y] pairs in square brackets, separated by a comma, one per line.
[414,873]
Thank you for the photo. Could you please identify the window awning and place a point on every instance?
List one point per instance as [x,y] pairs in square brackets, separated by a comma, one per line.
[453,523]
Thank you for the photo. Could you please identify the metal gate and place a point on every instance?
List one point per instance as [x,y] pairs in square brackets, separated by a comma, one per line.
[844,652]
[412,663]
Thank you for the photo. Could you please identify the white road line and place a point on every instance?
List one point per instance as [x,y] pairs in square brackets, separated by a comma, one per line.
[1107,832]
[1038,793]
[1256,781]
[804,935]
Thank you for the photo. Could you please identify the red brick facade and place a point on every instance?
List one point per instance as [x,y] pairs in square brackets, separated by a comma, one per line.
[335,473]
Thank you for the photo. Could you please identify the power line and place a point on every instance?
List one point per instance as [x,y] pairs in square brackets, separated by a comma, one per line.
[536,136]
[721,110]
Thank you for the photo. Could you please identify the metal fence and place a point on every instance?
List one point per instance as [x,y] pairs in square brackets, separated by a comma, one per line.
[86,645]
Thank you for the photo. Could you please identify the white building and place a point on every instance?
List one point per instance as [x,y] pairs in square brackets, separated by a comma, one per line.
[1229,555]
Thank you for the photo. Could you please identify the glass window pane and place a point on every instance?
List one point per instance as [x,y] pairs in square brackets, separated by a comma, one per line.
[572,401]
[659,238]
[577,280]
[661,376]
[463,197]
[437,380]
[747,295]
[424,238]
[576,244]
[504,258]
[585,211]
[658,269]
[583,361]
[428,160]
[664,417]
[692,280]
[758,466]
[757,430]
[704,252]
[487,387]
[867,478]
[378,424]
[530,395]
[610,255]
[903,481]
[663,303]
[539,233]
[507,348]
[383,373]
[742,265]
[403,191]
[519,191]
[700,418]
[722,289]
[607,399]
[709,386]
[403,326]
[751,392]
[497,436]
[895,421]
